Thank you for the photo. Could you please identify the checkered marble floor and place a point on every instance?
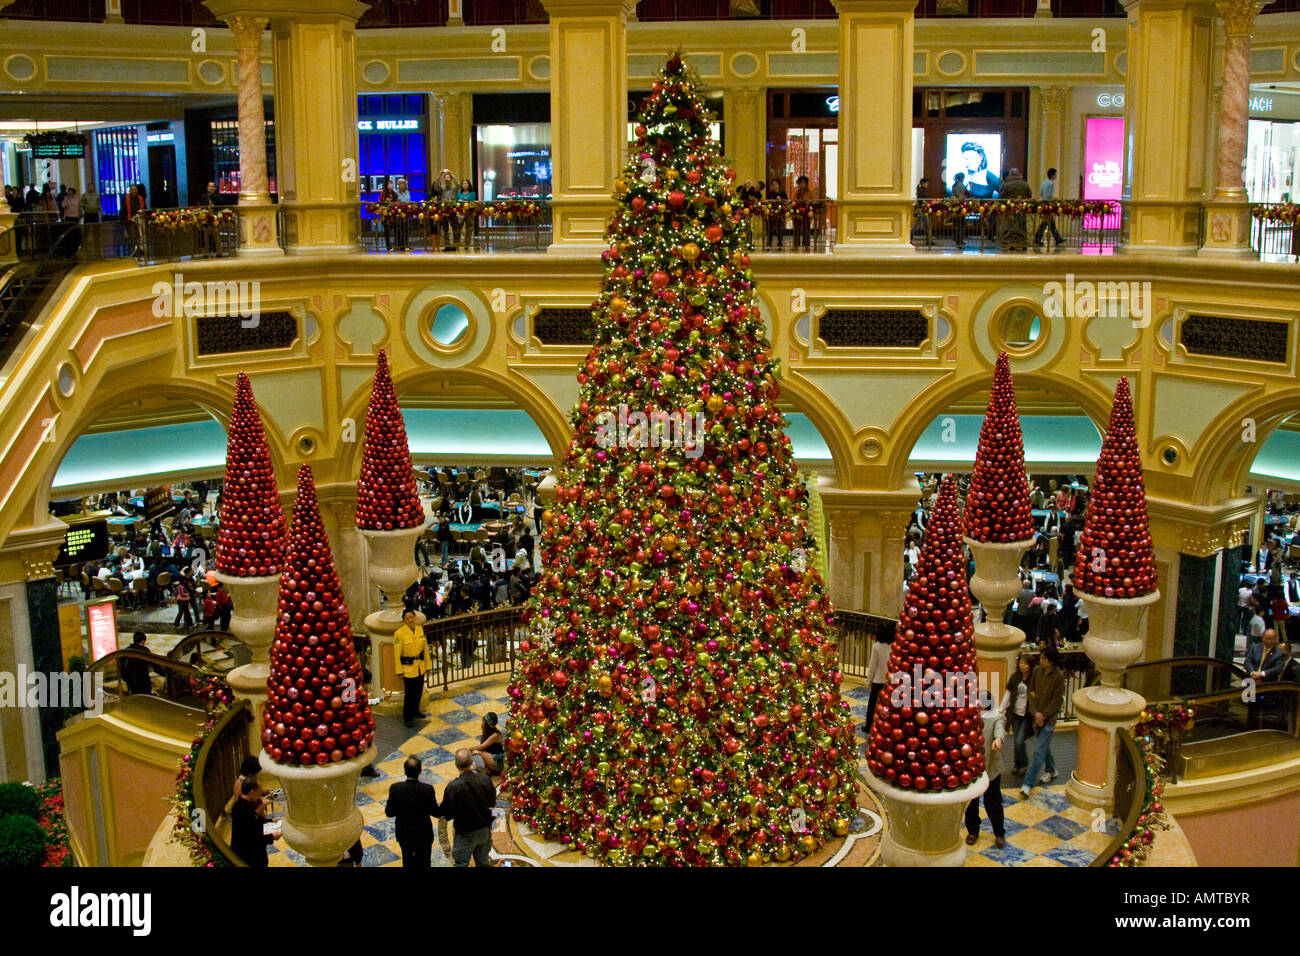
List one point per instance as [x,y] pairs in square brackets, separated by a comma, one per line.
[453,722]
[1043,830]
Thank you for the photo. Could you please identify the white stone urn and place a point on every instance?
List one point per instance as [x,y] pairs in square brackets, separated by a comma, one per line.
[1115,639]
[924,829]
[995,584]
[255,606]
[321,817]
[390,564]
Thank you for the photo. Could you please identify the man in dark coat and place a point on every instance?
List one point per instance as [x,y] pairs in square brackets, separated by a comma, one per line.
[413,804]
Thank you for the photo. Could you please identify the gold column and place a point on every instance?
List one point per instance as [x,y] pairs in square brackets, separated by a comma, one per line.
[588,117]
[745,115]
[874,209]
[1052,104]
[1167,101]
[886,599]
[1227,233]
[454,124]
[843,569]
[257,217]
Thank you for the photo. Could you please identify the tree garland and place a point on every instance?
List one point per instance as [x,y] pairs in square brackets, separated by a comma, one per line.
[217,699]
[435,210]
[191,217]
[1283,213]
[1155,727]
[986,208]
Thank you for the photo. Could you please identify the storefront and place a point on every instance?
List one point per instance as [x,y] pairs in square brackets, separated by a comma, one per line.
[512,145]
[393,141]
[1273,146]
[212,137]
[803,139]
[979,132]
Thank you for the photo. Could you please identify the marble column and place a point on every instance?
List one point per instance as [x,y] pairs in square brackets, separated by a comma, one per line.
[257,219]
[843,566]
[1167,99]
[454,114]
[588,118]
[746,117]
[1227,233]
[1052,103]
[876,188]
[888,600]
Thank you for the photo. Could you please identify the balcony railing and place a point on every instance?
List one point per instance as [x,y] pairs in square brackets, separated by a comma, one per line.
[513,225]
[1275,231]
[785,225]
[157,235]
[1089,226]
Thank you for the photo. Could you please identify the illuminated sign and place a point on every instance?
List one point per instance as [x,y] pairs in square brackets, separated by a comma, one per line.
[1261,104]
[83,542]
[833,104]
[103,628]
[1103,158]
[161,137]
[158,502]
[1107,100]
[59,151]
[385,126]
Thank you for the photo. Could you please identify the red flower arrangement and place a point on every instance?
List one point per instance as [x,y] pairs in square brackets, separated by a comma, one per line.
[918,743]
[316,708]
[387,497]
[997,504]
[1115,559]
[250,535]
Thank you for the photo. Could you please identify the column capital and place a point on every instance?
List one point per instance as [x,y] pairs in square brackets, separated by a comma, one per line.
[893,524]
[1239,15]
[247,30]
[874,6]
[588,8]
[1051,99]
[279,11]
[843,523]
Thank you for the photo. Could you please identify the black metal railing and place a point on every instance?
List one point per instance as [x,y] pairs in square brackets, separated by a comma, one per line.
[1130,795]
[858,630]
[1275,230]
[1018,224]
[504,225]
[216,768]
[157,235]
[472,646]
[784,225]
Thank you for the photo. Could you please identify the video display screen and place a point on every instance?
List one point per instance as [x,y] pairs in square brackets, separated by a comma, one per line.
[83,542]
[979,156]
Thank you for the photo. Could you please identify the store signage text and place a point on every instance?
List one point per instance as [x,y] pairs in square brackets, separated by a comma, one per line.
[833,104]
[1261,104]
[368,126]
[1107,100]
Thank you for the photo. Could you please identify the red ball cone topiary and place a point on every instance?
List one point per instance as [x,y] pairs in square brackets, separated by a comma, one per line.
[997,504]
[316,708]
[928,733]
[387,498]
[1115,558]
[250,537]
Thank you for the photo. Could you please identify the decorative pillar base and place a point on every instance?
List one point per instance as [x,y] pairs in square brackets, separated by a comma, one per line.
[249,683]
[259,233]
[873,227]
[924,829]
[995,582]
[255,606]
[1115,639]
[390,562]
[1227,231]
[1092,784]
[321,818]
[578,226]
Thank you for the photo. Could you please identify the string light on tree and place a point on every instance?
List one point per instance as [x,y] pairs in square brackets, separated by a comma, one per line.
[676,702]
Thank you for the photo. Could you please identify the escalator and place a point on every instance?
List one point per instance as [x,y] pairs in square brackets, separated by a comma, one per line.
[24,291]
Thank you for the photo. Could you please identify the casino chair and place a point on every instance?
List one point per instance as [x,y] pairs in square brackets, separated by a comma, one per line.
[139,588]
[163,583]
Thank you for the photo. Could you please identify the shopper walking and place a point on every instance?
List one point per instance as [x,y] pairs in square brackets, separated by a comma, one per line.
[878,672]
[1047,191]
[1015,705]
[1046,695]
[995,728]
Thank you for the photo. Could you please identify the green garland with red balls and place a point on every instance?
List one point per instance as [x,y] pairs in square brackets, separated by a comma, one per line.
[1152,732]
[217,700]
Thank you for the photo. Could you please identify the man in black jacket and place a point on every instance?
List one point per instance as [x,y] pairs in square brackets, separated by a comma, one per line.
[413,804]
[247,839]
[468,802]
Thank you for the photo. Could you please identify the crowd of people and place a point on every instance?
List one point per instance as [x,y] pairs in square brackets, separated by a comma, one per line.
[446,188]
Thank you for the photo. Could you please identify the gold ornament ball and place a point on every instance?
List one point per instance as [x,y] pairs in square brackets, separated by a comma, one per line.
[754,859]
[783,854]
[807,843]
[841,827]
[690,252]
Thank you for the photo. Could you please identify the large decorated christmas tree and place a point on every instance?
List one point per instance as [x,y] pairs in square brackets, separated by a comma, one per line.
[676,701]
[317,711]
[387,498]
[928,733]
[997,504]
[1115,559]
[250,533]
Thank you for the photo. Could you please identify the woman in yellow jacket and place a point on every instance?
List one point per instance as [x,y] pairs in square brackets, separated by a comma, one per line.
[411,651]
